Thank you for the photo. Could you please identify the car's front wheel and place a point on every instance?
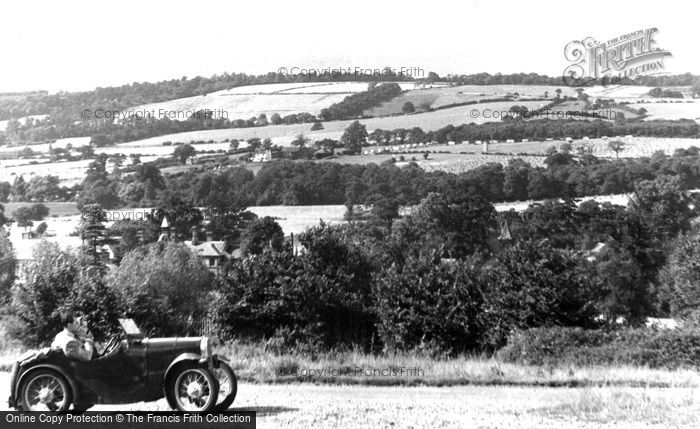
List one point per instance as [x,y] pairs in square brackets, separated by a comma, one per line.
[44,390]
[193,388]
[228,386]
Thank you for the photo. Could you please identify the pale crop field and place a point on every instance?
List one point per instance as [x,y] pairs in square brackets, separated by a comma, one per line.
[445,96]
[250,101]
[285,134]
[687,109]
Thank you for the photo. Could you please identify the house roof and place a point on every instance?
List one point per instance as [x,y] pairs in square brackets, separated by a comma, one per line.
[208,248]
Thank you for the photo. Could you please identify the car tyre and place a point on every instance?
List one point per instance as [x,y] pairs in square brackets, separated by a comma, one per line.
[44,390]
[228,386]
[193,388]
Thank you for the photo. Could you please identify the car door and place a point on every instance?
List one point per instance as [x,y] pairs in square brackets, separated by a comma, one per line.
[112,377]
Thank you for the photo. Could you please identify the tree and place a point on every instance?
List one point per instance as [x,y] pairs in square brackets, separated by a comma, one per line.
[259,234]
[275,119]
[262,120]
[386,210]
[663,206]
[515,180]
[532,284]
[24,215]
[680,278]
[234,144]
[8,266]
[133,233]
[43,188]
[183,152]
[616,146]
[622,291]
[300,141]
[267,143]
[558,91]
[354,137]
[254,143]
[56,280]
[408,107]
[164,287]
[135,158]
[41,229]
[456,227]
[317,126]
[429,304]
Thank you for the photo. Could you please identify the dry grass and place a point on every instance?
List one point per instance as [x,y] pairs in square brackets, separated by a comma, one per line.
[618,404]
[257,363]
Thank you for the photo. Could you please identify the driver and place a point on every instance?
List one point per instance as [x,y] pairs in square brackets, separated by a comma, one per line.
[75,339]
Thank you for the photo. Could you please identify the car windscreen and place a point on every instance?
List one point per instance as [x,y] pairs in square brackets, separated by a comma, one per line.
[130,326]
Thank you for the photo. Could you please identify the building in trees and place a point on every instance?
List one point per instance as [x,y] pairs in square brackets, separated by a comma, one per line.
[211,252]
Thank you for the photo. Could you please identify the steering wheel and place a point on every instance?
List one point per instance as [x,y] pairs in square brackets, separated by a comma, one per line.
[112,344]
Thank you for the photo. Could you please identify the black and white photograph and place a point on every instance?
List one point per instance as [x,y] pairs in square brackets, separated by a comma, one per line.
[446,214]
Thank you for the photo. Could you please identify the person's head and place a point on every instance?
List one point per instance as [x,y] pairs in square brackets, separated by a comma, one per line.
[71,321]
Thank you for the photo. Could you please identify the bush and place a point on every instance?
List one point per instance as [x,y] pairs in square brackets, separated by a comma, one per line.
[532,285]
[57,280]
[320,297]
[560,346]
[428,304]
[164,287]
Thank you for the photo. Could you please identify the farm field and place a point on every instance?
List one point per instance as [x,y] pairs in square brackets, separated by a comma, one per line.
[449,162]
[250,101]
[69,172]
[44,147]
[444,96]
[459,157]
[688,109]
[55,208]
[580,106]
[284,134]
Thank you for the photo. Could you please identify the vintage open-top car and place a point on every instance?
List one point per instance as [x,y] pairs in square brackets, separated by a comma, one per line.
[130,369]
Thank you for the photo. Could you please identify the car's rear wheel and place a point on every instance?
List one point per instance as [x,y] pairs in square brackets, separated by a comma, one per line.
[44,390]
[194,388]
[228,386]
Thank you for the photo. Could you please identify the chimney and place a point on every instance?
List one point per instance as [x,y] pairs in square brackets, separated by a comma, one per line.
[194,236]
[210,236]
[172,236]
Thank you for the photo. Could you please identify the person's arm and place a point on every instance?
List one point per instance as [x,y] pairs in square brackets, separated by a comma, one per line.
[75,350]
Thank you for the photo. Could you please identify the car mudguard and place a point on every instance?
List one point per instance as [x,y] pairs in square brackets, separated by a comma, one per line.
[185,357]
[75,390]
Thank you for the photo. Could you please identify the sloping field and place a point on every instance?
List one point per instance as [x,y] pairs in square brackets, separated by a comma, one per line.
[445,96]
[579,109]
[687,109]
[250,101]
[284,134]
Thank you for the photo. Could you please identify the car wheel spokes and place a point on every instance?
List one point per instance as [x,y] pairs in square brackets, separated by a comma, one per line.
[44,393]
[193,390]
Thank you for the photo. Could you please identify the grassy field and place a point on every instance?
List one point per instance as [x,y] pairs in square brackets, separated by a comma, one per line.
[284,134]
[687,109]
[55,209]
[263,363]
[250,101]
[260,363]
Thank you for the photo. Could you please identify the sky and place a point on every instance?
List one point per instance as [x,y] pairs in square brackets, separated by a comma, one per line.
[79,45]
